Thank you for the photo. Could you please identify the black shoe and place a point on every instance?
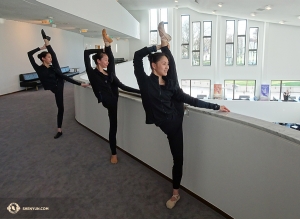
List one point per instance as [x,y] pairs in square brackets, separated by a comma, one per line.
[58,134]
[45,36]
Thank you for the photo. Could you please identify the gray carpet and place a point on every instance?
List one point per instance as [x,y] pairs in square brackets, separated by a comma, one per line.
[72,175]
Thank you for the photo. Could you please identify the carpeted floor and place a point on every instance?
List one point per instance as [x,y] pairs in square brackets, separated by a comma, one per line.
[72,175]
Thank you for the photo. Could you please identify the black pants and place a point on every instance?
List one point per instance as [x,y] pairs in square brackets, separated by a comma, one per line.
[112,107]
[173,129]
[59,98]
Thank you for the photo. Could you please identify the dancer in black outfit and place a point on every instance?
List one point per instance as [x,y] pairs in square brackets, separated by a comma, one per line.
[159,92]
[51,77]
[105,85]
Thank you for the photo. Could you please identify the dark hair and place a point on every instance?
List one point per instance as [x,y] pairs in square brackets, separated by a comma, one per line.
[42,55]
[98,55]
[155,57]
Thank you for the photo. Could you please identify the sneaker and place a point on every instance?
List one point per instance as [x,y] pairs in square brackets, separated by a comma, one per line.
[170,204]
[106,38]
[162,33]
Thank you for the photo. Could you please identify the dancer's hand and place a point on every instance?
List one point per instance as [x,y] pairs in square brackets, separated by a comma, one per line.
[84,85]
[224,109]
[43,47]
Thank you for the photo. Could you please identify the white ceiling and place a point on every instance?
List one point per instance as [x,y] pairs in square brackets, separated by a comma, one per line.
[32,11]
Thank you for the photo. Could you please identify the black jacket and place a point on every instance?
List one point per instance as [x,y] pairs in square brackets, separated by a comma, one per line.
[157,99]
[49,77]
[105,87]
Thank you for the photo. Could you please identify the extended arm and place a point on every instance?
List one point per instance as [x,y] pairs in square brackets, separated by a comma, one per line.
[124,87]
[31,59]
[185,98]
[59,74]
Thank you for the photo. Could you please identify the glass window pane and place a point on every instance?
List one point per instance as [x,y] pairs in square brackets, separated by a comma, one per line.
[206,51]
[153,19]
[185,85]
[196,35]
[207,28]
[230,31]
[253,35]
[242,27]
[229,54]
[244,88]
[200,88]
[153,38]
[196,58]
[185,21]
[275,90]
[293,87]
[228,89]
[240,59]
[252,57]
[185,51]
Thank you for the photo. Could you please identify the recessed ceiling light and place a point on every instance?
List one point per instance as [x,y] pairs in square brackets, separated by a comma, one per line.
[220,4]
[176,0]
[253,14]
[298,17]
[268,7]
[83,30]
[282,22]
[214,11]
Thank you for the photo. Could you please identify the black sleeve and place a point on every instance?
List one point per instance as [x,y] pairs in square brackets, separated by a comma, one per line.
[59,74]
[139,71]
[31,59]
[185,98]
[87,61]
[124,87]
[55,63]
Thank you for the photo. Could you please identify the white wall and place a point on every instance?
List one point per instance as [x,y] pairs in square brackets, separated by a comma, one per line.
[17,38]
[282,53]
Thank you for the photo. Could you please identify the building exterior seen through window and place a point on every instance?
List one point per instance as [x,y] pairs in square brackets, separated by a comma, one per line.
[197,88]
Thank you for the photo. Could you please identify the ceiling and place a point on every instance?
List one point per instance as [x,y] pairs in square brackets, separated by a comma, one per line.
[31,11]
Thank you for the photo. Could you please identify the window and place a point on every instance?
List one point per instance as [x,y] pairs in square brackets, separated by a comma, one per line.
[279,87]
[196,88]
[240,89]
[153,27]
[207,25]
[253,44]
[196,43]
[185,34]
[241,42]
[229,46]
[157,15]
